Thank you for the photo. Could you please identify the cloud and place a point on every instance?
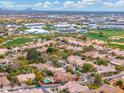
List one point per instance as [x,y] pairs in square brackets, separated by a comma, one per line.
[56,2]
[81,3]
[12,5]
[119,3]
[90,2]
[37,5]
[49,4]
[72,4]
[45,5]
[65,5]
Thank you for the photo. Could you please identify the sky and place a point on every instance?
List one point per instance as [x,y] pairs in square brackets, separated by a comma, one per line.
[64,5]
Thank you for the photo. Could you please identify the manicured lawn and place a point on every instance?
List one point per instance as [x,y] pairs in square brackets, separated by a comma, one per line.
[49,27]
[107,34]
[96,36]
[18,41]
[117,46]
[121,40]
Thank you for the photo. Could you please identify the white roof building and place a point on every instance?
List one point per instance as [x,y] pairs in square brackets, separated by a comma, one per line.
[37,31]
[65,28]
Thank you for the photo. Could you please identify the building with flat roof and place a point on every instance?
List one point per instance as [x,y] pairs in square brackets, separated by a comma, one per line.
[65,28]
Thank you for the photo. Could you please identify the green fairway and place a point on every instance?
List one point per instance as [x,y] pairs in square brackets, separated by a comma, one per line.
[117,46]
[18,41]
[121,40]
[96,36]
[107,34]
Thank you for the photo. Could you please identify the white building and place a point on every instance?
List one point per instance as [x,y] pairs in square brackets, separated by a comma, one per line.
[34,25]
[36,31]
[65,28]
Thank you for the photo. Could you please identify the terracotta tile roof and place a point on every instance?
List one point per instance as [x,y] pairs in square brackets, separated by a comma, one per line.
[25,77]
[74,87]
[109,89]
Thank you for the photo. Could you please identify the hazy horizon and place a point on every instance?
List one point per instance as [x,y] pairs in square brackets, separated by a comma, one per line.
[64,5]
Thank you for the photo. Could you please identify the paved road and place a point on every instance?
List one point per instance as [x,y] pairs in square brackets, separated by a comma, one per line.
[115,76]
[44,87]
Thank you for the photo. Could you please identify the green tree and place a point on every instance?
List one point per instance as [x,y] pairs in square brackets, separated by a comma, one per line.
[22,61]
[102,62]
[119,83]
[93,86]
[48,72]
[55,59]
[88,48]
[13,79]
[119,68]
[69,69]
[57,63]
[106,81]
[39,75]
[87,67]
[51,50]
[29,82]
[98,79]
[100,34]
[34,56]
[83,37]
[66,53]
[1,40]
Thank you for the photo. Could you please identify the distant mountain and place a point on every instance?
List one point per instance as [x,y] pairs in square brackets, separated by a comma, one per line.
[4,11]
[29,10]
[10,11]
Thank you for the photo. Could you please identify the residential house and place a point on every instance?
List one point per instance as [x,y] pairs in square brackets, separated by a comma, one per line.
[117,62]
[30,90]
[104,70]
[75,61]
[48,67]
[109,89]
[4,82]
[74,87]
[64,77]
[3,51]
[25,77]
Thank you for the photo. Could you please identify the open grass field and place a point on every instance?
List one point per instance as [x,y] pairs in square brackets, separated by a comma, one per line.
[18,41]
[23,39]
[94,35]
[116,37]
[116,46]
[114,32]
[106,34]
